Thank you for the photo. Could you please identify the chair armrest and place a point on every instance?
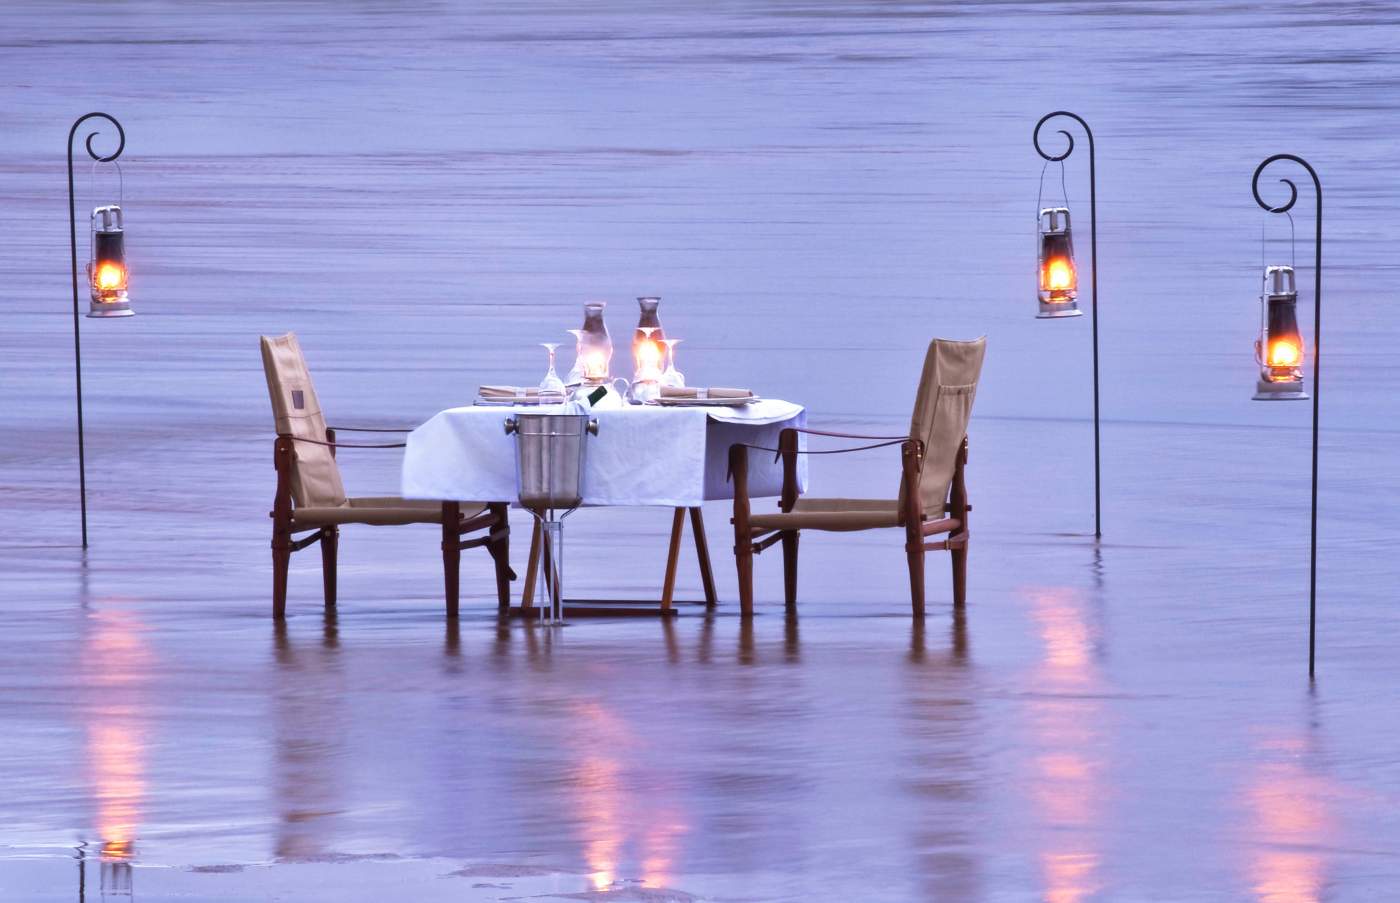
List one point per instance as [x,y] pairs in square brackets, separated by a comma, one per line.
[370,429]
[798,429]
[334,445]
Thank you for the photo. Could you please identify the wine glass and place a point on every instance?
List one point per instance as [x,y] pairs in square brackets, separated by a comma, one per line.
[672,378]
[576,372]
[551,384]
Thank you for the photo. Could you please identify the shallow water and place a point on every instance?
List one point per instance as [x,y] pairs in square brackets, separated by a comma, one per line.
[423,191]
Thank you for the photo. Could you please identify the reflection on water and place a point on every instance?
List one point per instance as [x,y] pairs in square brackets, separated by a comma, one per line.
[616,825]
[1290,823]
[116,662]
[1067,728]
[309,747]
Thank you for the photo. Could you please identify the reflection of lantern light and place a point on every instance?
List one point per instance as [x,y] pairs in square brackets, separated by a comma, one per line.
[107,269]
[1058,283]
[595,345]
[1279,348]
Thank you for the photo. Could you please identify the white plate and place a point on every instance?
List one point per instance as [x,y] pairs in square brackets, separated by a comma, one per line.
[705,402]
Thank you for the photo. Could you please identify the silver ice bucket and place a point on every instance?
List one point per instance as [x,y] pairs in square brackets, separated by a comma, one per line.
[549,454]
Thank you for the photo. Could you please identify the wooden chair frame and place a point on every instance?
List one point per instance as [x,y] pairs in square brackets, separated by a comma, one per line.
[495,521]
[952,520]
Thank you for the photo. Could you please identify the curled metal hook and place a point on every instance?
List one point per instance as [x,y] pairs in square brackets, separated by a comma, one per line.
[1292,188]
[87,143]
[1069,139]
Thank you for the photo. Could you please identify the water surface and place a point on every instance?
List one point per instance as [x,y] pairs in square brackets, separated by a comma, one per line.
[424,191]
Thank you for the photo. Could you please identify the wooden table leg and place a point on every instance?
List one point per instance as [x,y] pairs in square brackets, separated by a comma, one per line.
[702,552]
[672,559]
[527,599]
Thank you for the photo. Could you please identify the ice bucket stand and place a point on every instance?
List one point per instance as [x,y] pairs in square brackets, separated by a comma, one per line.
[549,456]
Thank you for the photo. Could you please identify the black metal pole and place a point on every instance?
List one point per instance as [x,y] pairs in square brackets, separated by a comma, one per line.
[73,243]
[1094,276]
[1317,369]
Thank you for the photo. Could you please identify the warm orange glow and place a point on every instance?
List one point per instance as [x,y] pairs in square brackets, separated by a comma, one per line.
[1066,730]
[109,276]
[116,745]
[1283,353]
[1059,274]
[648,356]
[595,365]
[1291,822]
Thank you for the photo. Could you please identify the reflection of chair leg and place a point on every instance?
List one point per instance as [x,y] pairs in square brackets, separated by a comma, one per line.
[673,555]
[330,544]
[451,555]
[790,568]
[527,598]
[960,573]
[499,547]
[702,552]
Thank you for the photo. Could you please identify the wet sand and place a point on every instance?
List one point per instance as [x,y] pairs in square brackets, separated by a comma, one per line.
[424,194]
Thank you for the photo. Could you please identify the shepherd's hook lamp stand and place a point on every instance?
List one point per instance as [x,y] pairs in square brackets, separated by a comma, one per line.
[1266,356]
[107,276]
[1057,296]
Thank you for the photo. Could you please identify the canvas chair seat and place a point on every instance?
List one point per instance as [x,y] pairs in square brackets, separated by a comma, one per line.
[831,514]
[376,512]
[841,515]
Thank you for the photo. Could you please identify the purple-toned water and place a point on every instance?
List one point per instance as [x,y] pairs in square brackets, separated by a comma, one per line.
[424,191]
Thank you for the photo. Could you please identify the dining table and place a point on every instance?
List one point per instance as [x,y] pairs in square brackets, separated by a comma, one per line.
[643,455]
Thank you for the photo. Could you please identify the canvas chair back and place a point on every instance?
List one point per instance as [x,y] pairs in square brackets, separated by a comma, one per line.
[942,410]
[297,412]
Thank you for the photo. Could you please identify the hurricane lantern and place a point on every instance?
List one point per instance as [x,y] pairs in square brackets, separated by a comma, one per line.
[1279,348]
[1058,281]
[107,274]
[595,347]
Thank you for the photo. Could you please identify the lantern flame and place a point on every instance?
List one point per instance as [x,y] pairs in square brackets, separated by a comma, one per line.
[648,359]
[1059,274]
[595,365]
[1283,353]
[109,276]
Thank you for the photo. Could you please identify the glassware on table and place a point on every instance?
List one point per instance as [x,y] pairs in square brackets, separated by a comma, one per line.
[576,371]
[595,349]
[672,378]
[646,374]
[551,384]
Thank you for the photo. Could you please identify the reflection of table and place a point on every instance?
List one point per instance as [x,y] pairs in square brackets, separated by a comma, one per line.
[642,456]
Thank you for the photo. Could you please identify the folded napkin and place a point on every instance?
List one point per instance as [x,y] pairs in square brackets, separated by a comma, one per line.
[497,392]
[716,392]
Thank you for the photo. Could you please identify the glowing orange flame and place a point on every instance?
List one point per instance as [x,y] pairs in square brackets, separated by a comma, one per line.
[1059,274]
[648,356]
[1283,353]
[595,364]
[109,276]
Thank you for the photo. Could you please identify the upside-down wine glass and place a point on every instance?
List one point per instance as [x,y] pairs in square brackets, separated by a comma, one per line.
[576,372]
[672,378]
[551,384]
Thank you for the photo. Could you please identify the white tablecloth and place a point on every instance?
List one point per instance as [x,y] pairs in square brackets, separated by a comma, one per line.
[642,455]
